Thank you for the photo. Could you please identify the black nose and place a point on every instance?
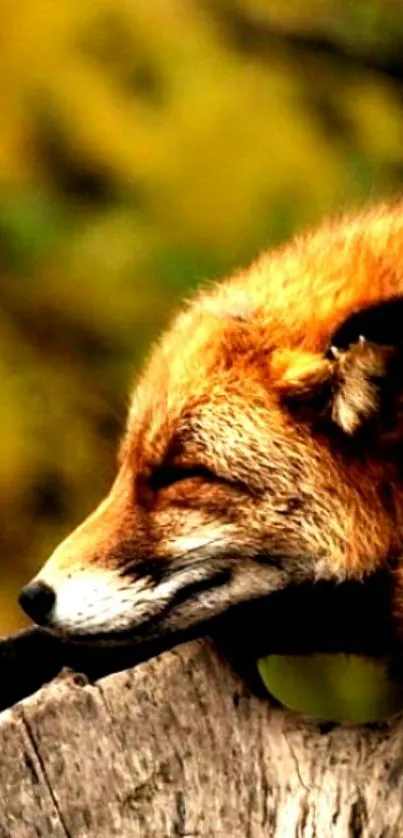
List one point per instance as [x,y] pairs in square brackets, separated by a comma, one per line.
[37,599]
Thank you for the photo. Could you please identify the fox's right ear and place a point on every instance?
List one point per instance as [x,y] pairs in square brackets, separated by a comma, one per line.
[359,380]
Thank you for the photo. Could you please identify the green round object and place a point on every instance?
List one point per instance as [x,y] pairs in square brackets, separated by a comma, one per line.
[337,688]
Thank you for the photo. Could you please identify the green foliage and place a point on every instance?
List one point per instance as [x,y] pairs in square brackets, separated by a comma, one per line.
[336,688]
[147,147]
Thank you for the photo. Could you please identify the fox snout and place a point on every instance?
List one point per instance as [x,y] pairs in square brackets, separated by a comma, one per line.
[162,555]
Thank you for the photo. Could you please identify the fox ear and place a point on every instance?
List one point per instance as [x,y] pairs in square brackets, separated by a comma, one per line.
[360,379]
[367,350]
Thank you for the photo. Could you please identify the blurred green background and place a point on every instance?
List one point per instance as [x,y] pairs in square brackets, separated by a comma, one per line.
[145,147]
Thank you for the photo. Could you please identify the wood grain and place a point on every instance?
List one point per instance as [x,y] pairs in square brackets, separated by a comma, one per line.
[178,746]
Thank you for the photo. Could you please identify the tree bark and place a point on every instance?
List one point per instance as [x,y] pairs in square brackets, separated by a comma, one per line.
[179,746]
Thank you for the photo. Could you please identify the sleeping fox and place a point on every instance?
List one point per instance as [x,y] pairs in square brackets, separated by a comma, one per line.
[263,448]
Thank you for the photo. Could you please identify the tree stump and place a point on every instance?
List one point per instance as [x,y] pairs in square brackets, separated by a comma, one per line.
[179,746]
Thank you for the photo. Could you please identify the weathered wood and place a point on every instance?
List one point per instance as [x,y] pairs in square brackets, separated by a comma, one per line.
[178,746]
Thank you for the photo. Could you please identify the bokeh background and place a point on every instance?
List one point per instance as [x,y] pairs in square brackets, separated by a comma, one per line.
[146,146]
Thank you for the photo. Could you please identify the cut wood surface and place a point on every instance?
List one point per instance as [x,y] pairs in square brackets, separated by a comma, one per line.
[178,746]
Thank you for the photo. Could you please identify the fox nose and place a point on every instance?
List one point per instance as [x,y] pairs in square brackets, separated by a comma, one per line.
[37,600]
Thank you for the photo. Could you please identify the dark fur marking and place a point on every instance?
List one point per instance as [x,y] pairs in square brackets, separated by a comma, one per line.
[220,577]
[155,569]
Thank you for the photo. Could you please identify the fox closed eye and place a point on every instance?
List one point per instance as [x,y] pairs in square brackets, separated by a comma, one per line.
[169,475]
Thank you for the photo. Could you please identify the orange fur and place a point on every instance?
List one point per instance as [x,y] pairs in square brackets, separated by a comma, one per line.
[251,451]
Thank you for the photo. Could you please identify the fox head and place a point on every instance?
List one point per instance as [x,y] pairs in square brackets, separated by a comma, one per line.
[262,447]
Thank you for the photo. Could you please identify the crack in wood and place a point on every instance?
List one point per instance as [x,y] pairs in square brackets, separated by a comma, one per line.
[41,763]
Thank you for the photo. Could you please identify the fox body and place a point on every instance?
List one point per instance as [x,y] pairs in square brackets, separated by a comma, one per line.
[263,448]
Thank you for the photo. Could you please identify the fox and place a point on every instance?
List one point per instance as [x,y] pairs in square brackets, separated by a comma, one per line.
[262,451]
